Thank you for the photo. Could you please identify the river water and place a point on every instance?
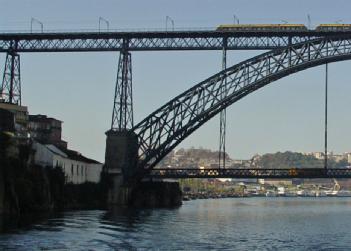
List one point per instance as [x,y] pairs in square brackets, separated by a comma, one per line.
[216,224]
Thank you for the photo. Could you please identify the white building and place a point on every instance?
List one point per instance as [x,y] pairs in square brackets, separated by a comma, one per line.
[77,168]
[347,156]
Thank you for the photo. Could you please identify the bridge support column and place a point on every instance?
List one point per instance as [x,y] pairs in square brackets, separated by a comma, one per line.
[121,155]
[121,163]
[121,160]
[10,91]
[122,115]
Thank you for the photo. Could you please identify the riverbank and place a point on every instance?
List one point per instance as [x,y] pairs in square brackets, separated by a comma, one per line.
[205,195]
[208,195]
[26,188]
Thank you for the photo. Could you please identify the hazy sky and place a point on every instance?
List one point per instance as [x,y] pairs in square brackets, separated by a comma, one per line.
[78,87]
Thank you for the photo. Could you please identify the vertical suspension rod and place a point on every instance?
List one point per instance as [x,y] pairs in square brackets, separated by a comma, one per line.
[223,122]
[326,119]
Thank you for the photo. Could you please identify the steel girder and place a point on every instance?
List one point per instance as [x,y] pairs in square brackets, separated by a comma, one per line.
[254,173]
[164,129]
[151,41]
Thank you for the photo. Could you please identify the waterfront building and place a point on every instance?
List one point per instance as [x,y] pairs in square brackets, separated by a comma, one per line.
[77,168]
[276,182]
[46,130]
[347,156]
[318,155]
[339,157]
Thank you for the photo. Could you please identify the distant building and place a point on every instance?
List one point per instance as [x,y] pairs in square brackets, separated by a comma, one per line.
[276,182]
[339,157]
[46,130]
[77,168]
[318,155]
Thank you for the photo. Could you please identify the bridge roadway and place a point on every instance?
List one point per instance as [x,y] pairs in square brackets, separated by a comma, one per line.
[154,41]
[255,173]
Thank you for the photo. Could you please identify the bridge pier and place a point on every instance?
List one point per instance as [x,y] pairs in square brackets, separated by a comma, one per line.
[121,158]
[121,155]
[121,161]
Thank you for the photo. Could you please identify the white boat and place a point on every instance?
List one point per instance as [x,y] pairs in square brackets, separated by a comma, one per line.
[320,193]
[300,193]
[335,190]
[281,191]
[332,193]
[271,194]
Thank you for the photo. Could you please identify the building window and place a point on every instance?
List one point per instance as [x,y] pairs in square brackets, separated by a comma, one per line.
[77,169]
[81,170]
[72,171]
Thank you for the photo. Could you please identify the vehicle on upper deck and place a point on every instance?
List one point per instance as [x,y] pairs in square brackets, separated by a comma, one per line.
[333,27]
[262,27]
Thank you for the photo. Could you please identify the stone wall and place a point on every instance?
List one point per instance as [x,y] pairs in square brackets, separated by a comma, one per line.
[2,192]
[156,195]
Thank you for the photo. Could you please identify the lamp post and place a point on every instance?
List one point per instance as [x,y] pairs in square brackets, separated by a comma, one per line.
[168,18]
[34,20]
[236,19]
[101,19]
[309,21]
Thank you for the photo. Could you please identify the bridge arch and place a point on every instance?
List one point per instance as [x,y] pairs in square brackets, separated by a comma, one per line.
[165,128]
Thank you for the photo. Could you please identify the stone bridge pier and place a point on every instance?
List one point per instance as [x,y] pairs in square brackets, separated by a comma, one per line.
[121,163]
[121,159]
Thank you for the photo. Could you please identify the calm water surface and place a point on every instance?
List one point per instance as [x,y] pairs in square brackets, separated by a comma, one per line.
[225,224]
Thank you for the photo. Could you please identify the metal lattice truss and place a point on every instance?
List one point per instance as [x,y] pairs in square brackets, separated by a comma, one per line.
[10,89]
[122,115]
[144,41]
[164,129]
[253,173]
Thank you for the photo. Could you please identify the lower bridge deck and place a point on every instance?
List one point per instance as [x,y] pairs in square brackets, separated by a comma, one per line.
[308,173]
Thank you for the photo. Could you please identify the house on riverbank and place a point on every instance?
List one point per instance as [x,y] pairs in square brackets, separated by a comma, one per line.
[77,168]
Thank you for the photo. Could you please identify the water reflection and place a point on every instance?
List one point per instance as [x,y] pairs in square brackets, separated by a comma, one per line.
[239,224]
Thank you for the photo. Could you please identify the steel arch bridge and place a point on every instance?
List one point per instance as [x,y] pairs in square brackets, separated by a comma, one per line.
[165,128]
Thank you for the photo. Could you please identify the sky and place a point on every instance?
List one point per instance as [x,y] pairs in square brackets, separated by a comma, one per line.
[77,88]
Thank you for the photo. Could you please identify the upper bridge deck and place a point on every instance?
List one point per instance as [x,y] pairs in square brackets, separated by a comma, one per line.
[156,40]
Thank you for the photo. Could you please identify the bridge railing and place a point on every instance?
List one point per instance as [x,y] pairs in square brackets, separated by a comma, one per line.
[104,30]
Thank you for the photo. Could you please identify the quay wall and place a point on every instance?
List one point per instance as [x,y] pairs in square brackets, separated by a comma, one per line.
[156,194]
